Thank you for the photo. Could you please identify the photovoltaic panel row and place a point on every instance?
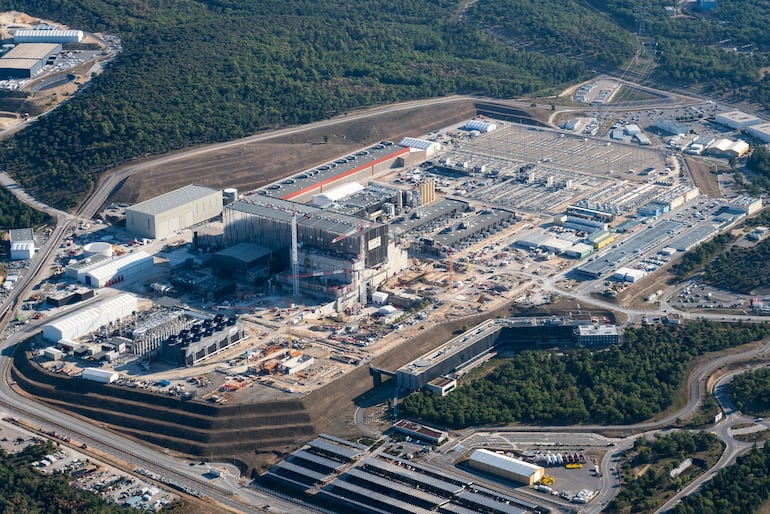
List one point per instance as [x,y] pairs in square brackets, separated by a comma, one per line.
[431,471]
[335,449]
[451,508]
[397,487]
[396,504]
[332,465]
[343,442]
[489,503]
[305,472]
[358,506]
[287,480]
[412,477]
[500,496]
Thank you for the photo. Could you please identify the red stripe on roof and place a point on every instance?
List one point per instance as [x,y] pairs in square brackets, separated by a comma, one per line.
[335,178]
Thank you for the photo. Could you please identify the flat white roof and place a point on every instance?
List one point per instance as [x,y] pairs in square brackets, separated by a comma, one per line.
[34,51]
[737,116]
[420,144]
[503,462]
[172,199]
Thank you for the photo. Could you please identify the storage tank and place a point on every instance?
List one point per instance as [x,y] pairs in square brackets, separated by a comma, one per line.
[229,195]
[98,248]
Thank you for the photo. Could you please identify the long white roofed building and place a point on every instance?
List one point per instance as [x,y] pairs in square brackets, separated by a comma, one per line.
[117,270]
[88,320]
[506,467]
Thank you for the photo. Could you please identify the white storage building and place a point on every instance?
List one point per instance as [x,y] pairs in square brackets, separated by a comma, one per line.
[87,320]
[22,243]
[629,274]
[430,148]
[47,36]
[760,131]
[324,200]
[117,270]
[728,148]
[506,467]
[746,205]
[737,119]
[105,376]
[164,215]
[481,126]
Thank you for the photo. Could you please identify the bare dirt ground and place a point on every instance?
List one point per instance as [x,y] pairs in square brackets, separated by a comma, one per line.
[707,182]
[256,164]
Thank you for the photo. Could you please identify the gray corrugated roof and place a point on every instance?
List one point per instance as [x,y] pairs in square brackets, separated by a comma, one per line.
[21,234]
[307,215]
[171,199]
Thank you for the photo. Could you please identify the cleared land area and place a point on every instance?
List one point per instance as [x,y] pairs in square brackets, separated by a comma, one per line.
[255,164]
[707,182]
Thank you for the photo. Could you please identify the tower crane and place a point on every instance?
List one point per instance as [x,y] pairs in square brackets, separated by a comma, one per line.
[361,229]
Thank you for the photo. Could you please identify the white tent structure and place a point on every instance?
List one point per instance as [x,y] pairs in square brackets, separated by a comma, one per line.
[90,319]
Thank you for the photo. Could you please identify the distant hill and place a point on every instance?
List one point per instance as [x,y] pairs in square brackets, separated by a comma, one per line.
[195,72]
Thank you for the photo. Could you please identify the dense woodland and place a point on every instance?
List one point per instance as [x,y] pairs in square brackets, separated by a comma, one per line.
[741,269]
[737,489]
[24,490]
[616,385]
[649,491]
[750,392]
[200,72]
[695,259]
[14,214]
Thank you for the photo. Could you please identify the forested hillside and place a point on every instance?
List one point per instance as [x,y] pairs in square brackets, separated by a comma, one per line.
[199,72]
[202,71]
[617,385]
[743,487]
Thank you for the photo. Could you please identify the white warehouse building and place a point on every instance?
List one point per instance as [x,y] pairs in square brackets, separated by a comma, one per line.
[182,208]
[737,119]
[92,318]
[506,467]
[22,243]
[117,270]
[430,148]
[760,131]
[47,36]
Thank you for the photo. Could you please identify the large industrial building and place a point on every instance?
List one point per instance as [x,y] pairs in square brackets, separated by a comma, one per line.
[47,35]
[329,245]
[737,120]
[113,271]
[26,60]
[506,467]
[91,319]
[166,214]
[22,243]
[457,353]
[760,131]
